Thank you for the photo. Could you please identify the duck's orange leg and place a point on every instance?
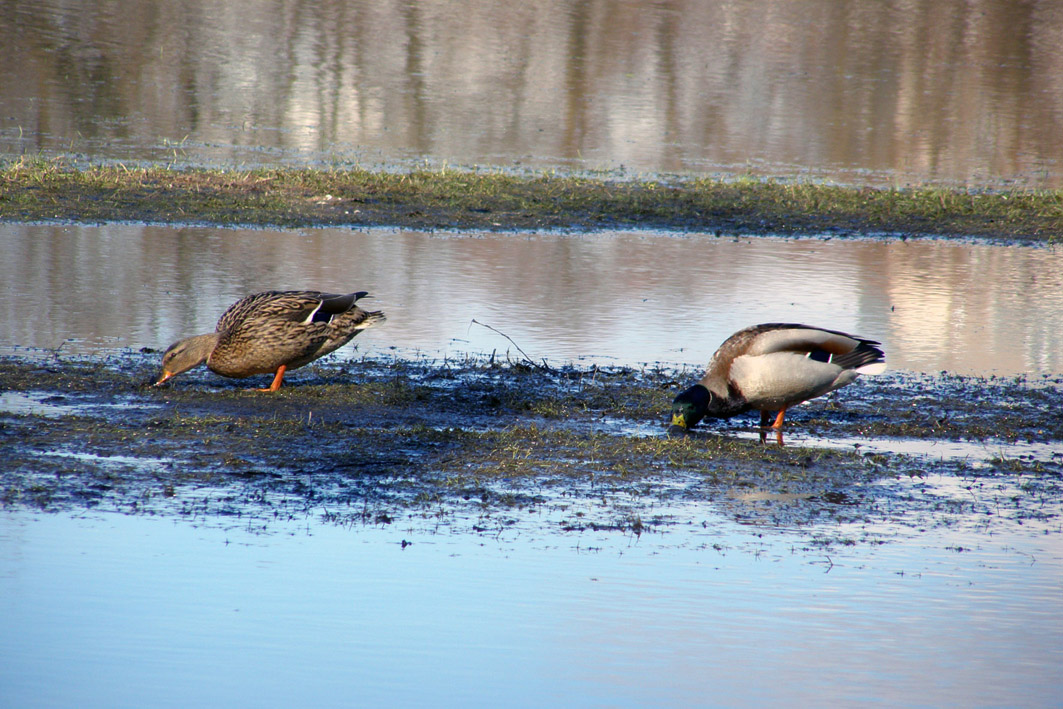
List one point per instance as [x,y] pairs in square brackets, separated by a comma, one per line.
[777,426]
[277,379]
[764,416]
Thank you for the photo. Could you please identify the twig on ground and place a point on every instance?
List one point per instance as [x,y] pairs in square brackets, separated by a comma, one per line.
[545,367]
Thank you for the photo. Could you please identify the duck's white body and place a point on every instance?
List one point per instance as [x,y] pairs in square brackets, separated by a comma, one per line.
[774,366]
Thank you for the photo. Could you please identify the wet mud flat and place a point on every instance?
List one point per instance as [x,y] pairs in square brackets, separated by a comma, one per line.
[487,443]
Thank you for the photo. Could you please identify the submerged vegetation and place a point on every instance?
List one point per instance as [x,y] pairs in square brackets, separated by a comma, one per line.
[60,189]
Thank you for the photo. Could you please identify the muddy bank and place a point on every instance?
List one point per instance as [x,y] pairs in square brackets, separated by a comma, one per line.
[484,443]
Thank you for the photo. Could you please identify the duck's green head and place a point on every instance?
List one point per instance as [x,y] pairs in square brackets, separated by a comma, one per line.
[688,408]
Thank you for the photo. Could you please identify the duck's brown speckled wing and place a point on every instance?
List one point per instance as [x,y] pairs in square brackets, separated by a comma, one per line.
[292,328]
[296,306]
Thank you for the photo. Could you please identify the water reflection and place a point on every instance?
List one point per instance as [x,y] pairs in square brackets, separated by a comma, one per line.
[301,612]
[625,298]
[857,91]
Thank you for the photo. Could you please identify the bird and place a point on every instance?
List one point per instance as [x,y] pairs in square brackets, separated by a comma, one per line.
[270,333]
[771,367]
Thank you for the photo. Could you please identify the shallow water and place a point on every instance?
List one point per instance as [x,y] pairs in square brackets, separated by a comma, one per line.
[944,604]
[614,298]
[311,613]
[866,92]
[960,608]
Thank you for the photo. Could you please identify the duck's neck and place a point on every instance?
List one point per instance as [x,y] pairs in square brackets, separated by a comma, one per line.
[726,399]
[194,351]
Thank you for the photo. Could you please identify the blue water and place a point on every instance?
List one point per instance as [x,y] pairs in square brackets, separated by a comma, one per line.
[105,609]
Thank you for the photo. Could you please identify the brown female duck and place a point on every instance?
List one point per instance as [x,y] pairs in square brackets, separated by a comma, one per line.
[270,333]
[772,367]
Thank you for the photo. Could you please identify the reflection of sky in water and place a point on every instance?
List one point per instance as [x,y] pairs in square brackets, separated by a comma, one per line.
[627,297]
[978,453]
[51,405]
[309,614]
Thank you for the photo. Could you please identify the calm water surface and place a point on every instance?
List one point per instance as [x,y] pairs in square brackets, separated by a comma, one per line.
[881,92]
[108,609]
[612,298]
[113,610]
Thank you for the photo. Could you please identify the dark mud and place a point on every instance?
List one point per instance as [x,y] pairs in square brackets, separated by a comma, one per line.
[487,443]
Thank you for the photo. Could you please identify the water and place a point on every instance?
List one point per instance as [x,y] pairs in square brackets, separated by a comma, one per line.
[943,608]
[113,610]
[613,298]
[853,91]
[309,613]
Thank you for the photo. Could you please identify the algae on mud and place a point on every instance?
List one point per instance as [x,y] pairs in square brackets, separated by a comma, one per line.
[487,443]
[63,189]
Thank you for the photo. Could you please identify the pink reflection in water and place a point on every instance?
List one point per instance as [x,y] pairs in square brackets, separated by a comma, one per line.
[627,298]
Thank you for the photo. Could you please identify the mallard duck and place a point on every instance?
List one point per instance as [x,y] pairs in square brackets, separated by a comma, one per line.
[270,333]
[772,367]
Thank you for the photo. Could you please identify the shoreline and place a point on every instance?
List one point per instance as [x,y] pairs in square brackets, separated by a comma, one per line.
[375,440]
[494,200]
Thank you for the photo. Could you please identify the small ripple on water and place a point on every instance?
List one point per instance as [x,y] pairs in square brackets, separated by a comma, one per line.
[978,454]
[52,405]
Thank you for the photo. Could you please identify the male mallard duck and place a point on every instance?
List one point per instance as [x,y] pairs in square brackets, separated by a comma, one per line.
[772,367]
[270,333]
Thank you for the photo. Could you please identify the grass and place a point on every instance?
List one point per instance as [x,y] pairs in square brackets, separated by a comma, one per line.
[57,189]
